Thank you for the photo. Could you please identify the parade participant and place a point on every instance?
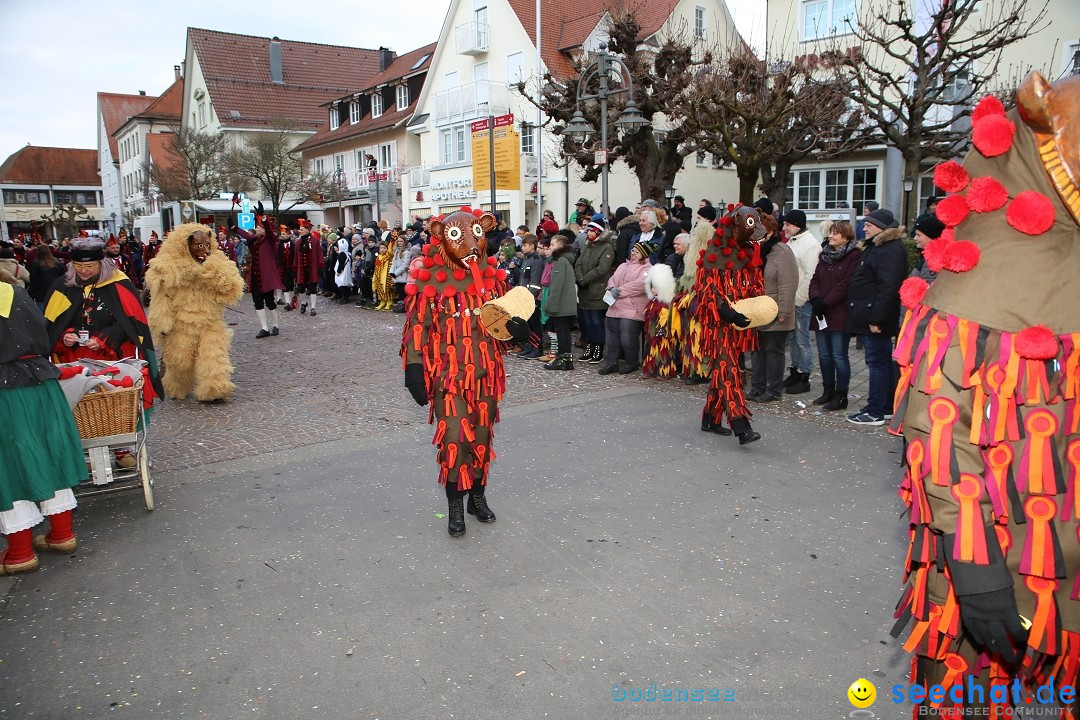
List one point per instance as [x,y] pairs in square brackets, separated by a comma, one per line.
[308,261]
[730,271]
[989,405]
[382,282]
[151,248]
[687,333]
[263,275]
[288,269]
[122,260]
[225,244]
[191,283]
[43,456]
[11,270]
[452,362]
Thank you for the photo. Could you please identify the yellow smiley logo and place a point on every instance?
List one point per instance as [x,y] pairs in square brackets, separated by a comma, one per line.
[862,693]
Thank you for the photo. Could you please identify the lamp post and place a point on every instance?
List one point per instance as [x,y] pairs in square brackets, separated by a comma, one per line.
[340,191]
[669,195]
[909,184]
[630,119]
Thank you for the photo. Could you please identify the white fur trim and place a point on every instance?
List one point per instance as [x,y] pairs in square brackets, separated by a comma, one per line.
[23,515]
[660,283]
[62,501]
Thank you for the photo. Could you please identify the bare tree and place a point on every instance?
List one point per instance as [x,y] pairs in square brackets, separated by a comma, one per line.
[764,117]
[270,161]
[323,188]
[921,64]
[656,153]
[194,167]
[63,220]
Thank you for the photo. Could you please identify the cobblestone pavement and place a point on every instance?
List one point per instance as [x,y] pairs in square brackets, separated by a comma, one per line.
[338,375]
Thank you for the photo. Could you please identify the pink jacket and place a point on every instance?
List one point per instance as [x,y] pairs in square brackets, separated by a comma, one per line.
[630,279]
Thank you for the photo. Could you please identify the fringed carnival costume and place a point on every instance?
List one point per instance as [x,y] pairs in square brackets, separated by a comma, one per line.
[988,405]
[729,270]
[686,328]
[661,321]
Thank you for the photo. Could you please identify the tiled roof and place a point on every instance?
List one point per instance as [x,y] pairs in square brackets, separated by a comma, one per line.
[401,67]
[115,109]
[236,69]
[566,23]
[169,105]
[159,146]
[34,165]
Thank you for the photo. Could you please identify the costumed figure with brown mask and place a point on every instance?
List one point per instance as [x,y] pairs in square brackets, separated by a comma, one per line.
[308,261]
[989,405]
[454,360]
[191,282]
[264,277]
[729,270]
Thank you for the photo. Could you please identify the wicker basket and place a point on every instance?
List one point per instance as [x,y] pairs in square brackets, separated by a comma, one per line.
[109,412]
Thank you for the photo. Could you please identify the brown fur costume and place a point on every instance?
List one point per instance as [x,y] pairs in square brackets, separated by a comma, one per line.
[186,315]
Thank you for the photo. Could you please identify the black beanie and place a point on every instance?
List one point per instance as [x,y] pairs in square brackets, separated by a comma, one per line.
[708,213]
[796,218]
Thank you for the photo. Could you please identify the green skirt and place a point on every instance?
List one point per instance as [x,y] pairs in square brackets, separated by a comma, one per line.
[40,449]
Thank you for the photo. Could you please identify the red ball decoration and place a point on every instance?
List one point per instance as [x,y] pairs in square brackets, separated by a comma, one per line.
[411,289]
[993,135]
[449,291]
[440,276]
[726,220]
[961,256]
[424,275]
[429,262]
[950,176]
[465,208]
[731,207]
[726,251]
[742,255]
[1031,213]
[935,252]
[717,242]
[489,284]
[414,273]
[701,263]
[987,195]
[948,234]
[492,261]
[478,212]
[701,253]
[429,291]
[912,291]
[439,260]
[500,274]
[989,105]
[729,265]
[711,258]
[459,274]
[428,249]
[1037,343]
[489,272]
[953,210]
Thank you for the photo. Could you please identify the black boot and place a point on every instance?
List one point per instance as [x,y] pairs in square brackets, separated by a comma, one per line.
[531,352]
[826,395]
[800,386]
[707,424]
[456,513]
[743,431]
[793,376]
[586,353]
[838,401]
[597,356]
[562,362]
[478,506]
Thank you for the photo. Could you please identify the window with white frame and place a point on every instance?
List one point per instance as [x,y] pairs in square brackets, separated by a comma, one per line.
[202,114]
[339,162]
[387,155]
[334,118]
[699,22]
[528,139]
[354,112]
[831,187]
[453,147]
[361,158]
[701,159]
[402,97]
[515,67]
[823,18]
[320,166]
[376,104]
[480,15]
[1072,58]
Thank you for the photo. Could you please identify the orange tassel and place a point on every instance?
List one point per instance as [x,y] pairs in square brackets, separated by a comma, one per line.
[1038,558]
[943,414]
[970,532]
[997,461]
[1036,474]
[467,431]
[451,455]
[418,334]
[448,405]
[956,666]
[440,433]
[968,337]
[1043,635]
[1072,487]
[465,475]
[920,508]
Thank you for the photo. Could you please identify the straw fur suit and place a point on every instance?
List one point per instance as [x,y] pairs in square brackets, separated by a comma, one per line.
[187,316]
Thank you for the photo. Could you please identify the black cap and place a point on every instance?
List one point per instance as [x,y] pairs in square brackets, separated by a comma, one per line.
[764,204]
[882,218]
[796,218]
[708,212]
[930,226]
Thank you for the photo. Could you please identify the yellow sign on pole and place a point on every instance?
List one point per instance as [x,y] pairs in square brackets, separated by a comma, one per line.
[507,155]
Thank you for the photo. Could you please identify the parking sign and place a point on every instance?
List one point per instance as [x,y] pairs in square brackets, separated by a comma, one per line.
[246,221]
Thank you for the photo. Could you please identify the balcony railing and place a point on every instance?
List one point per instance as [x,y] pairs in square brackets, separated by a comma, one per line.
[364,179]
[419,177]
[478,99]
[471,38]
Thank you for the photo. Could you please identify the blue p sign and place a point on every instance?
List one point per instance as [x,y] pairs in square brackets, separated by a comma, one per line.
[246,221]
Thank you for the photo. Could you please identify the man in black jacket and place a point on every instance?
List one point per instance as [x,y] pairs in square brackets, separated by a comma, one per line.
[874,311]
[532,270]
[679,211]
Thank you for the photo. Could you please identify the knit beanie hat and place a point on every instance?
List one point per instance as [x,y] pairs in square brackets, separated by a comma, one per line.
[930,226]
[708,213]
[645,248]
[796,218]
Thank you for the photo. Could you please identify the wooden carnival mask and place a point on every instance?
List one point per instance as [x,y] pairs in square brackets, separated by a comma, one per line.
[461,236]
[1051,111]
[746,226]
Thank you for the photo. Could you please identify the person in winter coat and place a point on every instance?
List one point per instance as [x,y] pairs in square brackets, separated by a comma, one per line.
[308,262]
[532,271]
[828,298]
[592,270]
[781,274]
[806,248]
[626,227]
[404,254]
[626,316]
[44,271]
[874,311]
[11,271]
[927,228]
[264,277]
[561,302]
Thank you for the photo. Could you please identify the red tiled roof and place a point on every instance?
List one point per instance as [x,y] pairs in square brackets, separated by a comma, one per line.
[159,145]
[400,68]
[115,109]
[237,73]
[34,165]
[566,23]
[169,105]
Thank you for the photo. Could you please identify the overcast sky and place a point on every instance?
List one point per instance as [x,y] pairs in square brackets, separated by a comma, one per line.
[56,55]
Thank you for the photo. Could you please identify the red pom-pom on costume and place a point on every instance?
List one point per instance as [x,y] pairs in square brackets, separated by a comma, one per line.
[500,274]
[441,276]
[731,207]
[961,256]
[492,261]
[465,208]
[701,263]
[429,262]
[489,272]
[459,274]
[717,242]
[439,260]
[1037,343]
[948,234]
[414,273]
[449,291]
[1031,213]
[478,212]
[429,291]
[989,105]
[741,255]
[953,210]
[993,135]
[912,291]
[951,176]
[726,251]
[726,220]
[935,252]
[425,275]
[701,253]
[411,289]
[489,284]
[987,195]
[729,265]
[711,258]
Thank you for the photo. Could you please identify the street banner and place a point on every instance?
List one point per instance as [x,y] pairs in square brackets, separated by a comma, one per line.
[507,155]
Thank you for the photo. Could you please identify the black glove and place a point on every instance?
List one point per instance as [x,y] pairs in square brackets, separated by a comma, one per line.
[734,317]
[518,329]
[991,618]
[414,381]
[819,306]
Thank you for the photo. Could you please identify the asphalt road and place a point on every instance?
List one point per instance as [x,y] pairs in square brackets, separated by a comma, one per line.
[297,565]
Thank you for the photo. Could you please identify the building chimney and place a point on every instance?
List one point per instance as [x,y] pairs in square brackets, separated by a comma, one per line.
[142,92]
[386,56]
[176,72]
[275,61]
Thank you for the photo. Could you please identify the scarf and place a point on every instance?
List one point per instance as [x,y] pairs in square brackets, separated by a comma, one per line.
[829,254]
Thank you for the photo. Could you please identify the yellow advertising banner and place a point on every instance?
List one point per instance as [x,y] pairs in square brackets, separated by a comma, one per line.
[507,155]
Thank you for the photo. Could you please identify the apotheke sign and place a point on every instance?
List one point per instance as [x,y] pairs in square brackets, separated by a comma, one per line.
[452,189]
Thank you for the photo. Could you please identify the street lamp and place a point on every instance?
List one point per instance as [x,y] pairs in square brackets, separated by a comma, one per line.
[909,184]
[630,119]
[669,195]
